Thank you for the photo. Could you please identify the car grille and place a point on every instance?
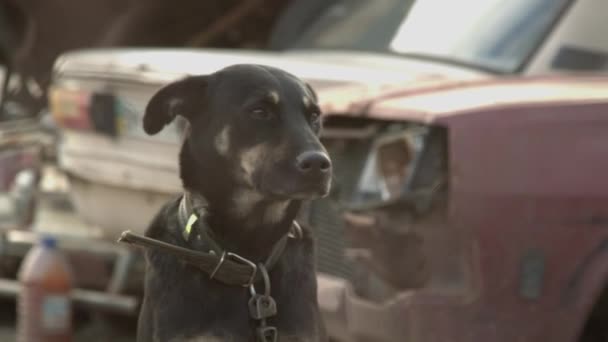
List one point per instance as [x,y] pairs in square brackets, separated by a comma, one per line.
[324,214]
[325,219]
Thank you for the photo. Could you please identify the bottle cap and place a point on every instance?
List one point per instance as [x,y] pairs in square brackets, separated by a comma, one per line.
[48,242]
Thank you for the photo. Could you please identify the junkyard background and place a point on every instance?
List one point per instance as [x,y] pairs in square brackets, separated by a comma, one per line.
[410,87]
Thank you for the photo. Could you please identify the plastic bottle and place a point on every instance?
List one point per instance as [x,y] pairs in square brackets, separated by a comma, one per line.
[44,309]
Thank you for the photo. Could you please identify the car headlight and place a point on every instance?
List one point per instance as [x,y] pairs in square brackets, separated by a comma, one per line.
[389,165]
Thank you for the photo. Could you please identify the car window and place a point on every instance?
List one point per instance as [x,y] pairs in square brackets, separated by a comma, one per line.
[490,34]
[356,24]
[495,34]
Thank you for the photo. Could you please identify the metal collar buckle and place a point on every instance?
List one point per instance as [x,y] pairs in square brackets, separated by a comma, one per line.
[295,232]
[239,259]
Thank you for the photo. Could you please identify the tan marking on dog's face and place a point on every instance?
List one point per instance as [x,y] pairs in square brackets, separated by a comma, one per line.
[245,200]
[280,152]
[306,100]
[222,141]
[273,96]
[275,212]
[250,160]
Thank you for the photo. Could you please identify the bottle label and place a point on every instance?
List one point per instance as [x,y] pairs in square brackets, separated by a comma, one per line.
[56,314]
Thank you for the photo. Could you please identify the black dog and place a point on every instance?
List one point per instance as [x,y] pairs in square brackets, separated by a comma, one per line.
[250,156]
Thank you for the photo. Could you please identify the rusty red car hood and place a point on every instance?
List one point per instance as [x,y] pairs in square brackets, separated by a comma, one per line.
[443,100]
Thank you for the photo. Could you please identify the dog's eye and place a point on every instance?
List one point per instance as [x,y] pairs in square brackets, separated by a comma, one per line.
[262,114]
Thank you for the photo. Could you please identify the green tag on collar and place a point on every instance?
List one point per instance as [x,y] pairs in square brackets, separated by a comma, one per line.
[188,229]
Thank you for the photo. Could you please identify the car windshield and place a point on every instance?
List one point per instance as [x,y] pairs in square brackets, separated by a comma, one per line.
[491,34]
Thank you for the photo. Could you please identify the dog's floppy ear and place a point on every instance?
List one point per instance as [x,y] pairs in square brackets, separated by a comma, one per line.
[177,98]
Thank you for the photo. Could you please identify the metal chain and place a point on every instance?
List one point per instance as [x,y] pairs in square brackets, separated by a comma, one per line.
[262,307]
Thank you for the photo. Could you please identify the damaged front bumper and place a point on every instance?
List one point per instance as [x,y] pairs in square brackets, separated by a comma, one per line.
[350,318]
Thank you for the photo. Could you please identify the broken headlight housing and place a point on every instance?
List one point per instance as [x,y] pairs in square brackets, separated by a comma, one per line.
[391,170]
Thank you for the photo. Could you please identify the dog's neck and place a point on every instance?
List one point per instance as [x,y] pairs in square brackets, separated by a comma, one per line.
[250,235]
[241,221]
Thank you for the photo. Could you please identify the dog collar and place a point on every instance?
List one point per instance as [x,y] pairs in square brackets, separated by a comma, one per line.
[191,207]
[191,217]
[224,266]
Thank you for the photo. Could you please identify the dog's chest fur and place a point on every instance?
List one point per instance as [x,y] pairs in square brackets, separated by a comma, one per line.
[182,304]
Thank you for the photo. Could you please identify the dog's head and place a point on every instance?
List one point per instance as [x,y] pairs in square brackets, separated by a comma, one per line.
[258,125]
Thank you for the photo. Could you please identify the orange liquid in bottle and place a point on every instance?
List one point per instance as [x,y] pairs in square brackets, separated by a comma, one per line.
[43,306]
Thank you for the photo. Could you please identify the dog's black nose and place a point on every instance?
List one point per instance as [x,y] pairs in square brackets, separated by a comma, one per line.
[312,162]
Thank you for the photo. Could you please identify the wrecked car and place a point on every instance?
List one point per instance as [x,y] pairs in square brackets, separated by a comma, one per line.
[473,212]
